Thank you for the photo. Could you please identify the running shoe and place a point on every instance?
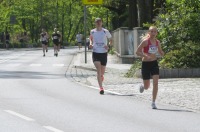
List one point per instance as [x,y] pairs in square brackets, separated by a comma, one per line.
[46,50]
[56,54]
[153,105]
[44,55]
[101,91]
[141,88]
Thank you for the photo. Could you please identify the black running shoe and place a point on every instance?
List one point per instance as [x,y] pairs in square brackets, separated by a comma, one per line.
[101,91]
[46,50]
[44,55]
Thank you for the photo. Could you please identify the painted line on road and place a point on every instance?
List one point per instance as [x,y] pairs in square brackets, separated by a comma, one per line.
[2,61]
[35,64]
[5,59]
[97,88]
[106,91]
[19,115]
[52,129]
[58,65]
[13,65]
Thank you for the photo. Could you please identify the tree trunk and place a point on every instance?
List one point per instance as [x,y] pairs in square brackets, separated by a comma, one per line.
[133,14]
[145,11]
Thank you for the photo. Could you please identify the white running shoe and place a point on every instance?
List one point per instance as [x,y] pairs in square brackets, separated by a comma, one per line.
[153,105]
[141,88]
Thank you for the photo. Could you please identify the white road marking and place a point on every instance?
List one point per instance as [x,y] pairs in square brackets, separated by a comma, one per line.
[52,129]
[116,93]
[13,65]
[8,58]
[19,115]
[2,61]
[58,65]
[35,64]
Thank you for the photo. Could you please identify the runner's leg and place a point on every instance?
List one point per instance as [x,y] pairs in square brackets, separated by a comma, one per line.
[46,47]
[54,49]
[155,86]
[98,67]
[146,84]
[103,68]
[43,48]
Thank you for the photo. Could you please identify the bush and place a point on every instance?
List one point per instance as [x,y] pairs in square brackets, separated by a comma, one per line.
[186,57]
[111,50]
[179,34]
[136,66]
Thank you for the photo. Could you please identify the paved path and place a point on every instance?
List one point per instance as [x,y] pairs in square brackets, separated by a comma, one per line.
[181,92]
[35,96]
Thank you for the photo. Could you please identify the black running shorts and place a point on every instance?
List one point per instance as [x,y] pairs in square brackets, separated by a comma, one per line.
[102,57]
[149,68]
[44,42]
[56,42]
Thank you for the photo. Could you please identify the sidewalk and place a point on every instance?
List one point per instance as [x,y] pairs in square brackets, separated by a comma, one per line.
[182,92]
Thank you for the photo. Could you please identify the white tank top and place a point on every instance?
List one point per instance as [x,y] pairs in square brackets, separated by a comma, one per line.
[100,40]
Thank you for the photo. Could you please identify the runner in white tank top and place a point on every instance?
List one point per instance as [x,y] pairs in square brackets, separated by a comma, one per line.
[98,41]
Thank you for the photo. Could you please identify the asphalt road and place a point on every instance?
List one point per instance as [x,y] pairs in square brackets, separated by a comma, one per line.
[35,96]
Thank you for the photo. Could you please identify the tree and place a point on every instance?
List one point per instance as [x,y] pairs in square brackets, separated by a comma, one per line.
[179,35]
[133,17]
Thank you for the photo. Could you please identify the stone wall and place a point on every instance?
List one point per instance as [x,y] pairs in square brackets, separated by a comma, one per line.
[126,42]
[176,73]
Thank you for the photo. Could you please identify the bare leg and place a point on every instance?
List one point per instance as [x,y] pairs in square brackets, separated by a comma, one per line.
[54,49]
[46,48]
[146,84]
[59,47]
[103,68]
[79,46]
[155,86]
[98,67]
[43,48]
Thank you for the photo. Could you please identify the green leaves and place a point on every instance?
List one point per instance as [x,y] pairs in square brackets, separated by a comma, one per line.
[67,15]
[179,34]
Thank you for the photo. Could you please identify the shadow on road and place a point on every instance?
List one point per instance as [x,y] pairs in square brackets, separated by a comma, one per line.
[174,110]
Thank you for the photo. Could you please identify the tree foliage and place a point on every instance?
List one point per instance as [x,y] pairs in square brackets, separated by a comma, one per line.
[32,15]
[178,31]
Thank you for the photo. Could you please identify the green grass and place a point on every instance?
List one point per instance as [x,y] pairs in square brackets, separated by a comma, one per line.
[135,66]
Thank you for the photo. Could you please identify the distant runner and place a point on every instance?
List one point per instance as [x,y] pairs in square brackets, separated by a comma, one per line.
[7,40]
[44,40]
[79,38]
[56,41]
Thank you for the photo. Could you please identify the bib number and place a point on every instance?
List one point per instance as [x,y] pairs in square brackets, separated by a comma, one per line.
[55,37]
[153,49]
[100,44]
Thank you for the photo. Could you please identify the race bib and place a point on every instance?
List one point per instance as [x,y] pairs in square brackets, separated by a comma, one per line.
[44,39]
[153,49]
[100,44]
[55,37]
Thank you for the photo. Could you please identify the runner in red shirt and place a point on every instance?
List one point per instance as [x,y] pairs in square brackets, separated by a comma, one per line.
[148,50]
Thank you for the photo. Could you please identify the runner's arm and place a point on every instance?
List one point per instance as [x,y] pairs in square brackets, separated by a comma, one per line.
[139,51]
